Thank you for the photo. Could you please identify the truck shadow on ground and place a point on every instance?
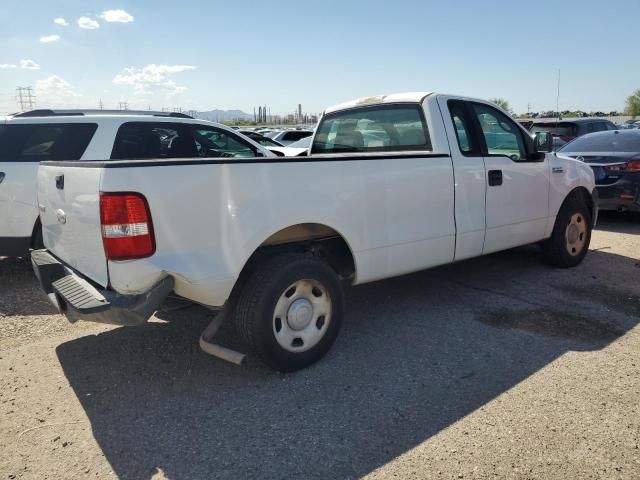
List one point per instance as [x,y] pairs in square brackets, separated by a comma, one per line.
[415,355]
[619,222]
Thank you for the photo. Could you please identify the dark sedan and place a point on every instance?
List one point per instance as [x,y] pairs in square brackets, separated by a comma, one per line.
[615,159]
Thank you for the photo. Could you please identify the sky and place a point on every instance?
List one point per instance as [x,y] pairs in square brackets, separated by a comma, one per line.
[206,54]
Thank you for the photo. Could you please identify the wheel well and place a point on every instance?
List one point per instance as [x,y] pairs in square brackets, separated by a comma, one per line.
[582,194]
[37,228]
[308,238]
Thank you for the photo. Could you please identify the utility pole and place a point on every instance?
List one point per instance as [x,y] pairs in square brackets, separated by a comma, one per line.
[558,97]
[100,105]
[123,106]
[25,98]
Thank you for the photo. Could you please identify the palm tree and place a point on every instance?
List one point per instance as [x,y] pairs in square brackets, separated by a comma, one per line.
[502,103]
[633,104]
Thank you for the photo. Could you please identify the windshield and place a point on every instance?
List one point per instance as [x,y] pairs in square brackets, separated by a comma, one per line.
[605,142]
[560,129]
[261,139]
[304,143]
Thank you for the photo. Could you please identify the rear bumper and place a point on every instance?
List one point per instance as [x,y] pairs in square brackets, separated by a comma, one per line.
[622,195]
[77,299]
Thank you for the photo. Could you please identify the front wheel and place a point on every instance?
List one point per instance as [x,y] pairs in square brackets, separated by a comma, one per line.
[290,310]
[571,235]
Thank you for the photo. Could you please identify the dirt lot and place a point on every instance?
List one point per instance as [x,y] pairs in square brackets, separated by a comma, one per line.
[499,367]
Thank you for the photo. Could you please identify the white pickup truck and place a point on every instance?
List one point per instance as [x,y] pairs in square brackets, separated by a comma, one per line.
[392,184]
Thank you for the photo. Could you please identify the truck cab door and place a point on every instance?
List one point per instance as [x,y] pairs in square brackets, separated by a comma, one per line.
[517,181]
[469,173]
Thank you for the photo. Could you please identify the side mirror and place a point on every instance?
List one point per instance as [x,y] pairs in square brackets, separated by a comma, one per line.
[543,142]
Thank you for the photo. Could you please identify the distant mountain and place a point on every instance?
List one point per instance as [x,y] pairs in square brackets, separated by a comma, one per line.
[224,115]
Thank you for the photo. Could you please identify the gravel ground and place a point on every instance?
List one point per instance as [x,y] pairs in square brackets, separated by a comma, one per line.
[498,367]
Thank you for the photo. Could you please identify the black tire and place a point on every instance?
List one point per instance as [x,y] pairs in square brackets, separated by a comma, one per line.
[256,306]
[558,248]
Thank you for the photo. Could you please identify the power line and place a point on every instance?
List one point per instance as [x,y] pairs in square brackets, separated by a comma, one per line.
[25,98]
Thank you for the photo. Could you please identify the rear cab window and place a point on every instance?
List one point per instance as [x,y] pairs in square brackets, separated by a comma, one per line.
[36,142]
[380,128]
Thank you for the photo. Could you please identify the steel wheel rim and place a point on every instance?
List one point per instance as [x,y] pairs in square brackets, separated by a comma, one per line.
[302,315]
[576,234]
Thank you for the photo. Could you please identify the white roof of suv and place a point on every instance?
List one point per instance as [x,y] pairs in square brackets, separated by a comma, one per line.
[416,97]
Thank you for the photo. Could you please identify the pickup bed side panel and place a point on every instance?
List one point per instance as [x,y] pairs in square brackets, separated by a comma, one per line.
[395,214]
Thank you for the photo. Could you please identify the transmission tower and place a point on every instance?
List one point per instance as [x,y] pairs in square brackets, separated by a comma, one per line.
[123,105]
[25,98]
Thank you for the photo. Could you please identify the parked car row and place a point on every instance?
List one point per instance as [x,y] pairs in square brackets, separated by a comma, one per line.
[564,131]
[630,124]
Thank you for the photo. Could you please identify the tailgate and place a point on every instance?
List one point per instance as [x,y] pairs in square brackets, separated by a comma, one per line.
[69,202]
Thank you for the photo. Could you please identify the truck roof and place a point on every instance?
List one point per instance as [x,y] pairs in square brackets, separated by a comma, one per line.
[409,97]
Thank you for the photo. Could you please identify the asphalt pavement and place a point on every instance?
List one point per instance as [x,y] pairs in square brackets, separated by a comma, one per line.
[497,367]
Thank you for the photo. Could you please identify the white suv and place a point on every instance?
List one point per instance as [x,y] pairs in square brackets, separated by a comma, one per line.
[28,138]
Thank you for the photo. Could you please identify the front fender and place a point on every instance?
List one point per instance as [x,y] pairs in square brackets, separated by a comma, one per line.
[566,175]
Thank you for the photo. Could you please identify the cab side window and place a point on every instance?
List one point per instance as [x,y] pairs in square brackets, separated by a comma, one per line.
[501,135]
[146,140]
[37,142]
[462,128]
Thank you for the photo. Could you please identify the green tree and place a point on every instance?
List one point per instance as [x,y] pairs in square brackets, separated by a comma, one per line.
[633,104]
[502,103]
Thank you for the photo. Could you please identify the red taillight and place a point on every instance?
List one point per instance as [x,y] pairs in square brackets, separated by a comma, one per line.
[127,231]
[633,166]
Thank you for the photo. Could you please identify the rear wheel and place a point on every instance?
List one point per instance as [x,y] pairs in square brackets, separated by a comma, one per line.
[290,310]
[571,235]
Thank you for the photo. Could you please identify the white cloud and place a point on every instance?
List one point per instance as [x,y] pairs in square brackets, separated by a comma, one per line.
[29,65]
[61,21]
[7,65]
[50,38]
[87,23]
[55,87]
[152,78]
[117,16]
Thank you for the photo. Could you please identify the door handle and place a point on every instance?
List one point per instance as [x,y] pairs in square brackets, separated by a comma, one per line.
[495,178]
[2,175]
[557,169]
